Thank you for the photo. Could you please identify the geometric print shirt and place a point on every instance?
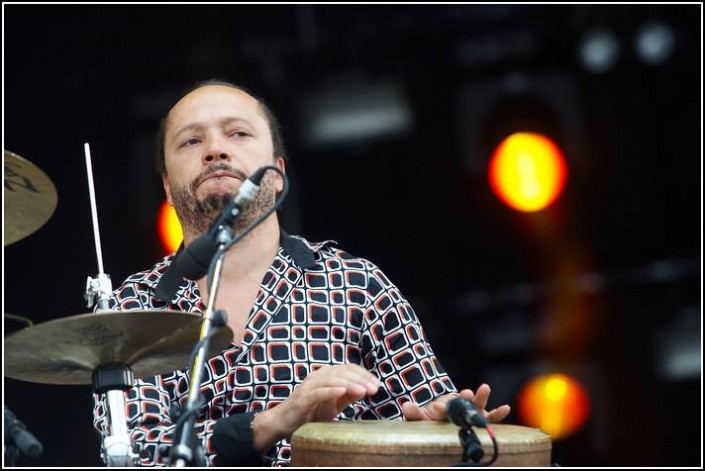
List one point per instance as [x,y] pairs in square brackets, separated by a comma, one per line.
[317,305]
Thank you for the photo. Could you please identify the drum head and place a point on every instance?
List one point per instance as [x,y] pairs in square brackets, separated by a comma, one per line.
[397,443]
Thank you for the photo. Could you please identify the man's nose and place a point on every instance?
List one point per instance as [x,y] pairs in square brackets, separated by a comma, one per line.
[216,151]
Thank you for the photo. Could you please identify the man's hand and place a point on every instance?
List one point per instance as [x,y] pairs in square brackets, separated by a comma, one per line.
[436,410]
[320,397]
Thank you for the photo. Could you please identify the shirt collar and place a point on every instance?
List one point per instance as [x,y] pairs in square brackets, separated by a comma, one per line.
[297,247]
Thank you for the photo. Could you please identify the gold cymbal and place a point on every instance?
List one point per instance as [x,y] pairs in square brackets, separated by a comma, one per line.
[30,197]
[68,350]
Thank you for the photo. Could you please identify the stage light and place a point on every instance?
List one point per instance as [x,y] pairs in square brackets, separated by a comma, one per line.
[169,228]
[655,43]
[557,404]
[599,51]
[356,112]
[527,171]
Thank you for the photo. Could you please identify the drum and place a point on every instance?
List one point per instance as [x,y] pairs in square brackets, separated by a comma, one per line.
[396,443]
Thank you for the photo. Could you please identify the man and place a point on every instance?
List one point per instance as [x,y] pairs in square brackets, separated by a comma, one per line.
[318,333]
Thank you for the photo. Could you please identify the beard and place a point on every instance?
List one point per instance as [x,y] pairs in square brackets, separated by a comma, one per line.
[197,215]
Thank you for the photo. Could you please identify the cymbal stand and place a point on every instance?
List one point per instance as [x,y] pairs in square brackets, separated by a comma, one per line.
[98,289]
[111,380]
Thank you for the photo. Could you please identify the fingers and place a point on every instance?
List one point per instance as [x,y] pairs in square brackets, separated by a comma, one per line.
[412,411]
[435,410]
[481,397]
[480,400]
[282,420]
[328,390]
[357,380]
[323,394]
[353,379]
[499,414]
[432,411]
[320,397]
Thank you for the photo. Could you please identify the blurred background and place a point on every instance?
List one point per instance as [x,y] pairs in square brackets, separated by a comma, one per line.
[391,115]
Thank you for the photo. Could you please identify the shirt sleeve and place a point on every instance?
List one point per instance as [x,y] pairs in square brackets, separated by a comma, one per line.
[233,441]
[394,346]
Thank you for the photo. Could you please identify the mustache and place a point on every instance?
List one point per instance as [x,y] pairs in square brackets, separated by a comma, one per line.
[221,167]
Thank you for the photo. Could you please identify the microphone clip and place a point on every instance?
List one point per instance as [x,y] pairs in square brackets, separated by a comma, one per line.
[471,446]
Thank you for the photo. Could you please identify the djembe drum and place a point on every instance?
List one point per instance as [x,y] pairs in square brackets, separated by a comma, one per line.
[397,443]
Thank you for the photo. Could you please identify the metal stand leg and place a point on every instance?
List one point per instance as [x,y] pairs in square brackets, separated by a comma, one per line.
[112,381]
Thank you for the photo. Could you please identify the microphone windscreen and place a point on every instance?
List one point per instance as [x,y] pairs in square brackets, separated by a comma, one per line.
[462,412]
[194,260]
[456,411]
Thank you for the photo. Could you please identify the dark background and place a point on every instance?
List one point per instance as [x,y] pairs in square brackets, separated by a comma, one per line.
[604,285]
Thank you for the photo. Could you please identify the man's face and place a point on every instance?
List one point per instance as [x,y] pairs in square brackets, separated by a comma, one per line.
[215,138]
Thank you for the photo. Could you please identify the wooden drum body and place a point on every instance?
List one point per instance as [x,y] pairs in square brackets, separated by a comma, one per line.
[397,443]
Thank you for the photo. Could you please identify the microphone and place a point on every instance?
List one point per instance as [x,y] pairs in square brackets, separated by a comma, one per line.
[16,434]
[464,413]
[194,260]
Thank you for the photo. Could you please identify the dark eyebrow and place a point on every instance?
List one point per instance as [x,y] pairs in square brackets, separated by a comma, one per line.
[223,122]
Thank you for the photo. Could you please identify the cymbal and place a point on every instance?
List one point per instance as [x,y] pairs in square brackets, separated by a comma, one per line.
[30,197]
[68,350]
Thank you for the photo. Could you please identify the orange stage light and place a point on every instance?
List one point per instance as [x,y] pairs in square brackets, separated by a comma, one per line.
[169,228]
[557,404]
[527,171]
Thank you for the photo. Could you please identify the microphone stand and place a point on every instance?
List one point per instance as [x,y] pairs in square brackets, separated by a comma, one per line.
[186,450]
[18,440]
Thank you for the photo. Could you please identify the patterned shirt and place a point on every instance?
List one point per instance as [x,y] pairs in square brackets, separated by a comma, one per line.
[317,305]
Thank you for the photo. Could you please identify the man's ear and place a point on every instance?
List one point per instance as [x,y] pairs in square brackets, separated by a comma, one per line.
[167,188]
[280,181]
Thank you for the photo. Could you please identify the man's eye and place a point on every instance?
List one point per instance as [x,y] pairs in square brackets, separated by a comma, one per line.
[239,134]
[191,142]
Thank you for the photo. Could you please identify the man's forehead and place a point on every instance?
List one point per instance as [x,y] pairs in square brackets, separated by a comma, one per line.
[218,96]
[215,93]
